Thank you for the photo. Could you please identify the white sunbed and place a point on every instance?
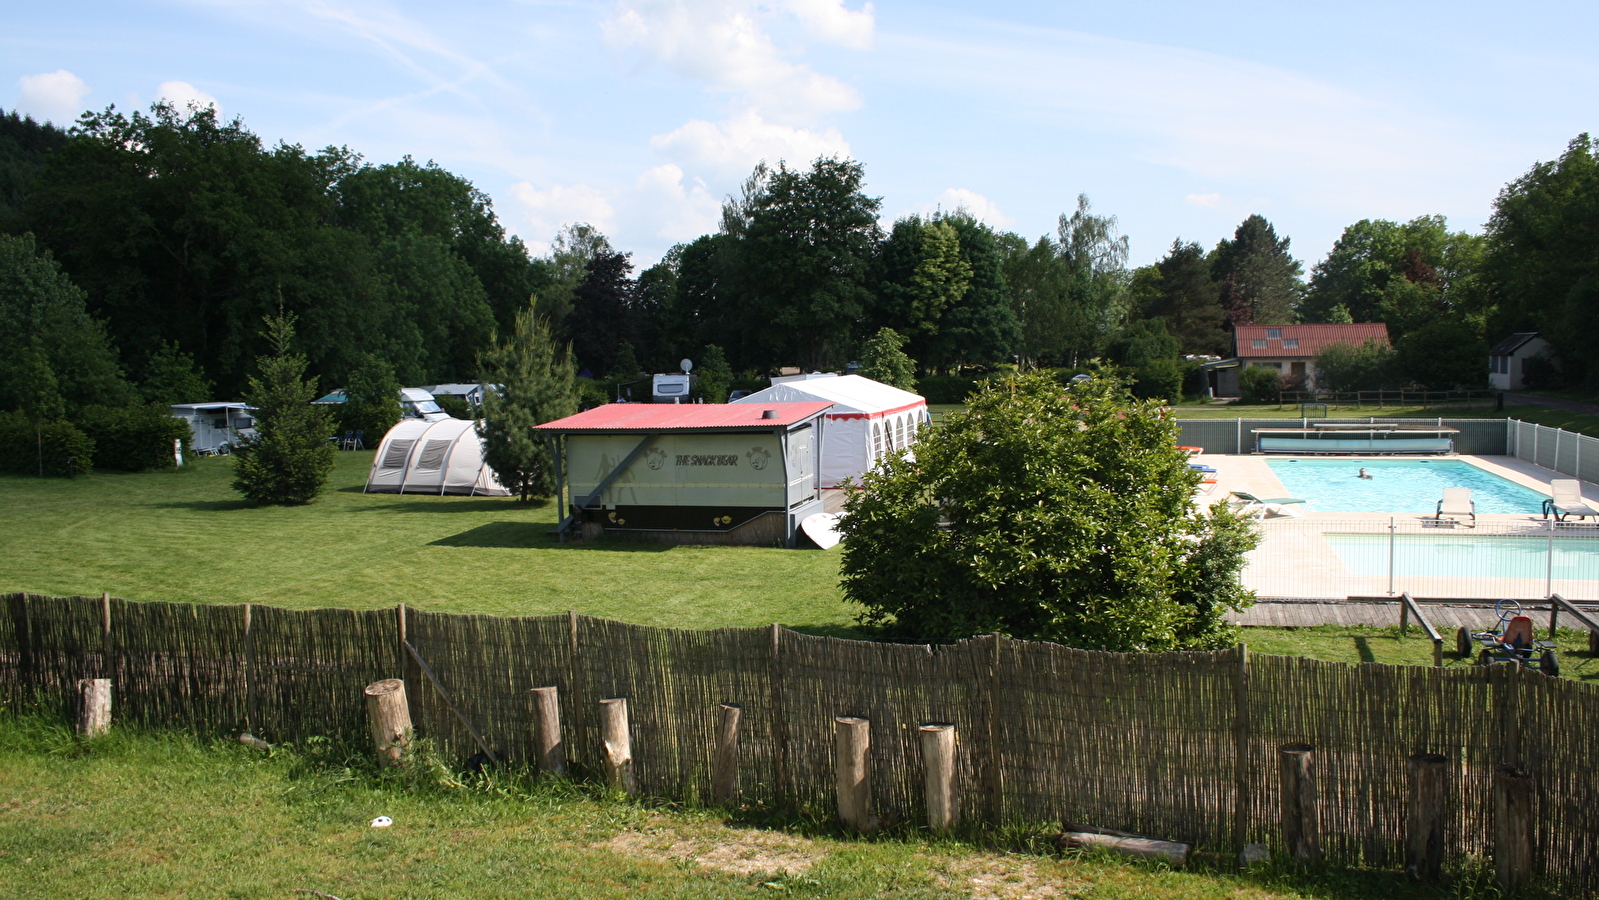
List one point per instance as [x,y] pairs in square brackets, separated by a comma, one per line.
[1457,502]
[1268,507]
[1567,500]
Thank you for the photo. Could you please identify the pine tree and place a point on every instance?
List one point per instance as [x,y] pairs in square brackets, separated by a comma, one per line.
[289,459]
[884,360]
[537,384]
[170,376]
[716,377]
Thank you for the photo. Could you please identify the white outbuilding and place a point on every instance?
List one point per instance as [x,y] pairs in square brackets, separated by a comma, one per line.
[868,420]
[443,457]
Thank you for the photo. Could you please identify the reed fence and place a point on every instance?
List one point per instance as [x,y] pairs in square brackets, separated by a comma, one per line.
[1175,745]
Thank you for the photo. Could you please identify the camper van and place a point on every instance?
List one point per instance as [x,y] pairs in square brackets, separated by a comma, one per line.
[672,388]
[215,426]
[415,403]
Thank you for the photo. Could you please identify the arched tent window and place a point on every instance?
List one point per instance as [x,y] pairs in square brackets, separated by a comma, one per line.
[877,441]
[899,433]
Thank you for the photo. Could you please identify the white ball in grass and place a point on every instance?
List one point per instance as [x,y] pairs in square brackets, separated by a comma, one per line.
[382,822]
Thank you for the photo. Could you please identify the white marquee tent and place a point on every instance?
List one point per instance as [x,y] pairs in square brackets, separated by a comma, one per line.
[443,457]
[868,420]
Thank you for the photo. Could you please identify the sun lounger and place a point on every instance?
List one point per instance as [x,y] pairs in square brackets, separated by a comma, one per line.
[1254,507]
[1247,499]
[1457,502]
[1567,500]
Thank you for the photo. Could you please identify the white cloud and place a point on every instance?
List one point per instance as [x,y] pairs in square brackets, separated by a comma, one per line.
[731,148]
[1208,201]
[676,212]
[55,96]
[725,44]
[181,94]
[979,207]
[545,211]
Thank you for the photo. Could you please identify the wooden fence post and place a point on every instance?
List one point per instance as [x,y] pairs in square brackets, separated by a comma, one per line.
[389,716]
[252,714]
[617,744]
[938,755]
[94,708]
[1512,827]
[580,734]
[105,633]
[1424,831]
[724,775]
[852,743]
[1301,821]
[550,747]
[994,773]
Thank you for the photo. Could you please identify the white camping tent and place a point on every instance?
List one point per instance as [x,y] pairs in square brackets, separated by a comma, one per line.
[443,457]
[868,420]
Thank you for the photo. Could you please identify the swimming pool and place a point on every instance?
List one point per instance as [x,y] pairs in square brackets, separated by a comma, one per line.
[1398,485]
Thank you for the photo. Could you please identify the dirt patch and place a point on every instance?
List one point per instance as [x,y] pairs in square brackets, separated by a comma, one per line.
[738,851]
[1004,878]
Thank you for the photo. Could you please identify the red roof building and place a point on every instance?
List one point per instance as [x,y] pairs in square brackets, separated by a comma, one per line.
[667,418]
[1292,349]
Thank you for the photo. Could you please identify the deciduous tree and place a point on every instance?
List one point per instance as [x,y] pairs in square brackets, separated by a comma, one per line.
[1046,513]
[884,359]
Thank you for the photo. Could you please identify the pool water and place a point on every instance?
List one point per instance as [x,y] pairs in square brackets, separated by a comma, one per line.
[1466,556]
[1398,485]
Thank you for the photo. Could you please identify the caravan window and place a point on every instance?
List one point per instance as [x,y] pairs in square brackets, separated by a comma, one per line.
[427,406]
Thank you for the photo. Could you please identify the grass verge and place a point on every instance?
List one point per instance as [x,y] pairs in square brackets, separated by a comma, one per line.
[163,816]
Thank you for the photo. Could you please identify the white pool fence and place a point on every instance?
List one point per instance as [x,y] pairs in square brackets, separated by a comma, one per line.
[1311,559]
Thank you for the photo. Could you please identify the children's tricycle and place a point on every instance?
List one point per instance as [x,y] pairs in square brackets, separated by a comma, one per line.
[1510,640]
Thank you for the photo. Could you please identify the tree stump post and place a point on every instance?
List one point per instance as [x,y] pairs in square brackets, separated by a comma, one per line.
[852,744]
[1513,790]
[617,745]
[724,775]
[389,716]
[547,740]
[1301,821]
[938,755]
[94,708]
[1424,829]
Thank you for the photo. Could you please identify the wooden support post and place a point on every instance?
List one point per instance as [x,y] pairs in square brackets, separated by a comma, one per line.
[252,714]
[390,718]
[1513,790]
[617,745]
[1301,821]
[780,786]
[938,755]
[105,633]
[993,772]
[94,708]
[547,741]
[1424,831]
[852,743]
[1168,852]
[579,706]
[724,777]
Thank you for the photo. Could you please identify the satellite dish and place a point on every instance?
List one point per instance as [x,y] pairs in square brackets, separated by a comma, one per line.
[686,365]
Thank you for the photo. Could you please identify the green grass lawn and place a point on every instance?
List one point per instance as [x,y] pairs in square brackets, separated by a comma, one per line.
[186,536]
[162,816]
[1354,644]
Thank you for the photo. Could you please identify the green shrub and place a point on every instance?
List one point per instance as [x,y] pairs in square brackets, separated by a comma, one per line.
[1160,379]
[457,407]
[133,438]
[53,449]
[1260,384]
[591,393]
[945,388]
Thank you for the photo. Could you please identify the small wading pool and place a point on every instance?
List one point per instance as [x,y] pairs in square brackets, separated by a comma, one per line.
[1464,556]
[1398,485]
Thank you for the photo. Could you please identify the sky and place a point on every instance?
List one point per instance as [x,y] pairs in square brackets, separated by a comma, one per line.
[641,116]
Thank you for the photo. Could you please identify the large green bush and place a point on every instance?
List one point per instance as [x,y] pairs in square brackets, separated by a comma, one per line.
[1260,384]
[134,438]
[52,449]
[1042,512]
[290,458]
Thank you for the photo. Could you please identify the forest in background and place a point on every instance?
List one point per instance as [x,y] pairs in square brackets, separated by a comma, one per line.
[165,238]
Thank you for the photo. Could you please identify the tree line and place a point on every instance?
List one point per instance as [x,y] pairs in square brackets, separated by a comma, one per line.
[180,232]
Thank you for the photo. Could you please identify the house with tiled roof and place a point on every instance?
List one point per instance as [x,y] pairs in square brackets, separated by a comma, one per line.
[1290,349]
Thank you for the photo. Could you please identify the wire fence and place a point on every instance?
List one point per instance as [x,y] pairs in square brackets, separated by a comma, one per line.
[1311,559]
[1477,437]
[1175,745]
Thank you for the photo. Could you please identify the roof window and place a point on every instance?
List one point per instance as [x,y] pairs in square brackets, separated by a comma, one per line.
[1273,334]
[1257,343]
[1290,343]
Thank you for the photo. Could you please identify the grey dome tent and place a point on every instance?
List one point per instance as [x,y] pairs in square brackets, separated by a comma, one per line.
[443,457]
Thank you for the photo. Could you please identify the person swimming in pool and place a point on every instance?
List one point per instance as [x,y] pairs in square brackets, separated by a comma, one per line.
[1364,474]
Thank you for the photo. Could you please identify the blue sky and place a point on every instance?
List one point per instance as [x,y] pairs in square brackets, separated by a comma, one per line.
[640,116]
